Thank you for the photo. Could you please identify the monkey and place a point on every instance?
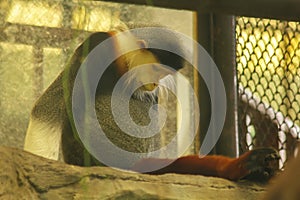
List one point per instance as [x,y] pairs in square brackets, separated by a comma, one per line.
[52,134]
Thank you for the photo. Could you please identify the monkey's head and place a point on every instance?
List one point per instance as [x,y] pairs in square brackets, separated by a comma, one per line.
[151,60]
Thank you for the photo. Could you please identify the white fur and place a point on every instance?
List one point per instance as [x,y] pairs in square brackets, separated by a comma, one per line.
[43,139]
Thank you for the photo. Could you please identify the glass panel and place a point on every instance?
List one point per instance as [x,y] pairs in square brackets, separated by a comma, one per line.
[38,37]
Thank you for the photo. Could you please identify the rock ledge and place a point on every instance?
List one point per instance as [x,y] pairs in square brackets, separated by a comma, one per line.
[26,176]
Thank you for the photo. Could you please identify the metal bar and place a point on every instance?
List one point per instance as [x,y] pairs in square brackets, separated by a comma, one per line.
[204,39]
[277,9]
[225,58]
[178,4]
[217,35]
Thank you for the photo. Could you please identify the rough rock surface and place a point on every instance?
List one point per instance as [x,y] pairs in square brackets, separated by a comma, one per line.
[26,176]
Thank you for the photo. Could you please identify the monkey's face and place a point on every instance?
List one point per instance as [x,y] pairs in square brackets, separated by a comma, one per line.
[145,67]
[151,71]
[145,71]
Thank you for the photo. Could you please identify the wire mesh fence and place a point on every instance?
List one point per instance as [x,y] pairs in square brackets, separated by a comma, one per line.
[268,57]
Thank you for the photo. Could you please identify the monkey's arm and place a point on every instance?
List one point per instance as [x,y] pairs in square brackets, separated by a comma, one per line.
[255,161]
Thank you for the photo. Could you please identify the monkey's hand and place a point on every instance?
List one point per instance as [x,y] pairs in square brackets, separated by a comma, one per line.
[258,164]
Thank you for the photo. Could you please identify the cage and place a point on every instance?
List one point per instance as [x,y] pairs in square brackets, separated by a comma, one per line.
[268,76]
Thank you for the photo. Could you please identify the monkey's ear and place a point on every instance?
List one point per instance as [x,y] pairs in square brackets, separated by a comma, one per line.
[142,43]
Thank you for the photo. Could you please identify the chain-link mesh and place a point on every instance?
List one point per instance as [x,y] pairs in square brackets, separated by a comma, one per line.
[268,57]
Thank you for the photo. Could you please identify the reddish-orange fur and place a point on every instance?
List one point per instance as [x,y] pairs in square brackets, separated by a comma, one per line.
[219,166]
[213,165]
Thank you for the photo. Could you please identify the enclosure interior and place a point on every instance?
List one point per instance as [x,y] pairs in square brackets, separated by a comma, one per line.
[38,37]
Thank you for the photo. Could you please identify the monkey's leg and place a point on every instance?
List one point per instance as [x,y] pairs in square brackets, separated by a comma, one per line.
[255,161]
[43,136]
[49,119]
[43,139]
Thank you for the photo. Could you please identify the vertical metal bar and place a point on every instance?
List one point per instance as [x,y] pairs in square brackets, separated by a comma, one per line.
[216,33]
[195,31]
[224,56]
[205,40]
